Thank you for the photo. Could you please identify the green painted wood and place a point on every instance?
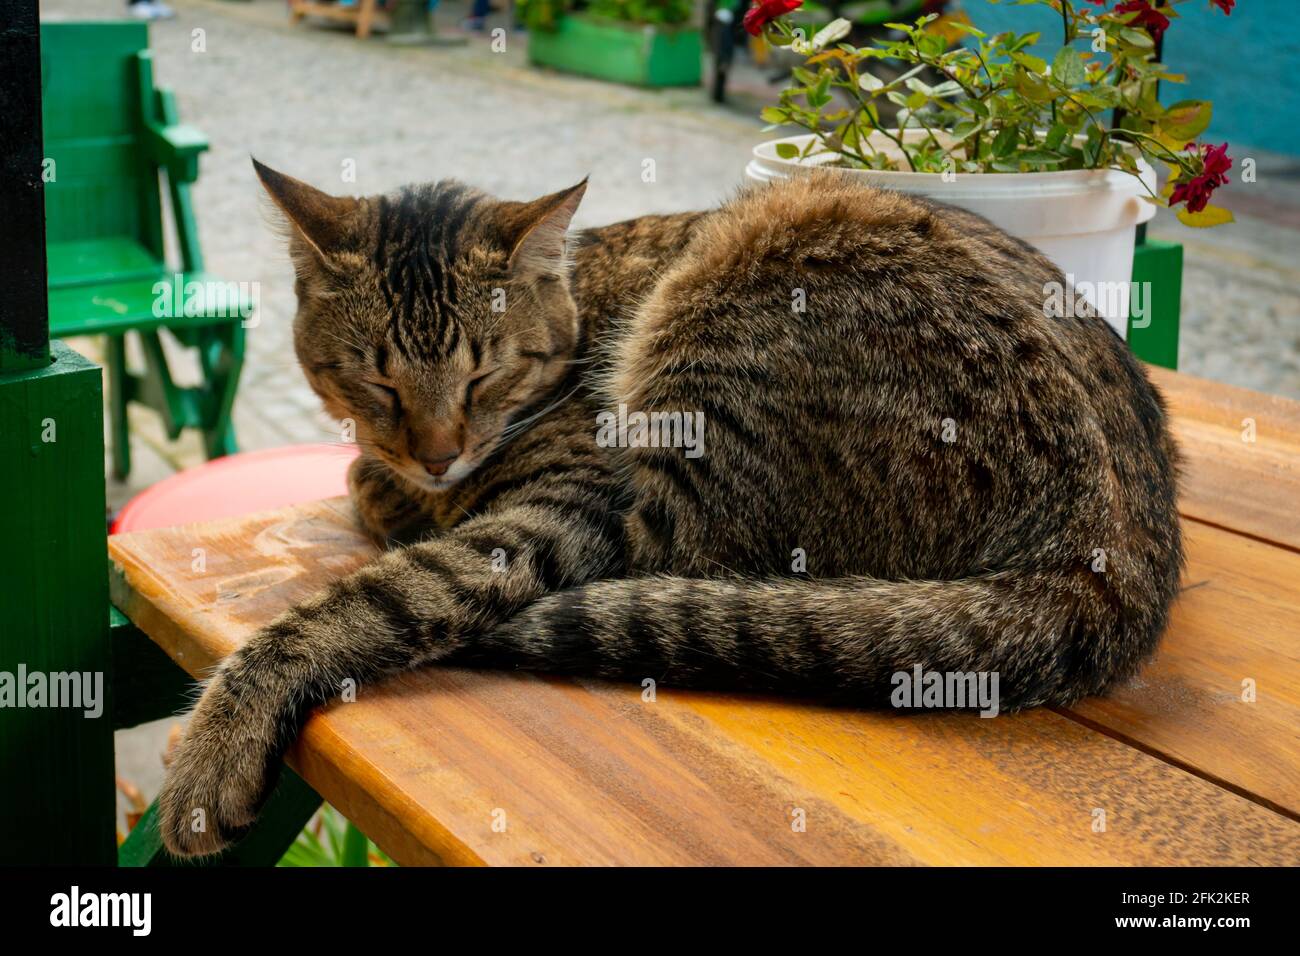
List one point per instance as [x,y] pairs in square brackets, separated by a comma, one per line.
[24,330]
[157,390]
[287,811]
[1158,271]
[143,304]
[119,387]
[187,230]
[93,129]
[177,148]
[111,133]
[100,260]
[58,803]
[639,54]
[221,354]
[147,684]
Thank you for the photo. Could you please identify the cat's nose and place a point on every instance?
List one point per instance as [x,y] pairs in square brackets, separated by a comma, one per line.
[438,466]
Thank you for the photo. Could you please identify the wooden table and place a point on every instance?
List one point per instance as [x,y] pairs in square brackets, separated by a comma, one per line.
[1175,767]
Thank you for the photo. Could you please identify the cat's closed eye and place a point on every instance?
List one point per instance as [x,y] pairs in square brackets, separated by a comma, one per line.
[387,395]
[480,378]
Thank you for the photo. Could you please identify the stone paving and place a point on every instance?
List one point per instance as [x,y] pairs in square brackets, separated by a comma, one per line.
[315,102]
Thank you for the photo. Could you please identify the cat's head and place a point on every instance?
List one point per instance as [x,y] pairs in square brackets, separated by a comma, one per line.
[434,317]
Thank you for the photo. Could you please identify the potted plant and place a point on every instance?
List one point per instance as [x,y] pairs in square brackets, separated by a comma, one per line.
[642,42]
[1053,139]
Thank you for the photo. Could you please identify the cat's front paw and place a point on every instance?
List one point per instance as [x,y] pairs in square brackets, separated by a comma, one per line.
[218,777]
[390,515]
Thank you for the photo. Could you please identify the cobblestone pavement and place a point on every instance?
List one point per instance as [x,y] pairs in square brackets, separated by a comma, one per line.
[313,101]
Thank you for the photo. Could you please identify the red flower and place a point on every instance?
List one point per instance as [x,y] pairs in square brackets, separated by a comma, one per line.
[1225,5]
[1215,163]
[765,11]
[1148,16]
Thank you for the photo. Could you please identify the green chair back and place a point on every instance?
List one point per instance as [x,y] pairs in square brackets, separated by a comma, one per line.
[102,186]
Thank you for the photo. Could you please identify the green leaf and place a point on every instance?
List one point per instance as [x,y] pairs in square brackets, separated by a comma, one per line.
[1033,88]
[1186,120]
[1005,143]
[1042,157]
[1137,38]
[1101,96]
[1067,68]
[787,150]
[820,94]
[955,24]
[1020,42]
[870,82]
[931,44]
[1033,64]
[774,115]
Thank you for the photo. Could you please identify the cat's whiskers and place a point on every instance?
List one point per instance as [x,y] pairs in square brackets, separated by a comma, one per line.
[518,427]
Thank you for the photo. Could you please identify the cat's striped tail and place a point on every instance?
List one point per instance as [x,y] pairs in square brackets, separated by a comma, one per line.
[1050,638]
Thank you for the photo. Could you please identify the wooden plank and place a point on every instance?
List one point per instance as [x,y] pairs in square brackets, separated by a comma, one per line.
[1236,621]
[1252,487]
[584,772]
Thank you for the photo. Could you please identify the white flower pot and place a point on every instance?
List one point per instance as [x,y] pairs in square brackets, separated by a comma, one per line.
[1082,220]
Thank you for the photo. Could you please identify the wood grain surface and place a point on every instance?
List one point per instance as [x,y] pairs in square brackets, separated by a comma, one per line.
[1242,456]
[460,767]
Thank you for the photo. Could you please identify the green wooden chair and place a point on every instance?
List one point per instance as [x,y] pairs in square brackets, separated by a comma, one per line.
[108,134]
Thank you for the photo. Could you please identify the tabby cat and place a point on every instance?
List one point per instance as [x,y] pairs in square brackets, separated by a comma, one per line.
[907,461]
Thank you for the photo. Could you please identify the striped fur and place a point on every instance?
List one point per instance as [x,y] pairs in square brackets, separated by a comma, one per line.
[919,467]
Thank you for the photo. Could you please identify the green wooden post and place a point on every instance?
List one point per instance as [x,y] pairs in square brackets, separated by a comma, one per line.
[1158,289]
[24,316]
[57,804]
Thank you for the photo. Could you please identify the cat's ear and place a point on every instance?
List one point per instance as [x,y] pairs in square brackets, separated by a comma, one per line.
[538,233]
[320,219]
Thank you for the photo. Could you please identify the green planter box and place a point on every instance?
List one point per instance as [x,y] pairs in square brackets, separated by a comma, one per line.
[640,54]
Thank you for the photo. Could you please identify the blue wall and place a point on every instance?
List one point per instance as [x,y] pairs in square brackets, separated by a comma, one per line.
[1246,63]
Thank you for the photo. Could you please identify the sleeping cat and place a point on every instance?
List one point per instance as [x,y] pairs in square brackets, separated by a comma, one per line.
[905,462]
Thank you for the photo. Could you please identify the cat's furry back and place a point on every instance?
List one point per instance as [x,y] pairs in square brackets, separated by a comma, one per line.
[907,462]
